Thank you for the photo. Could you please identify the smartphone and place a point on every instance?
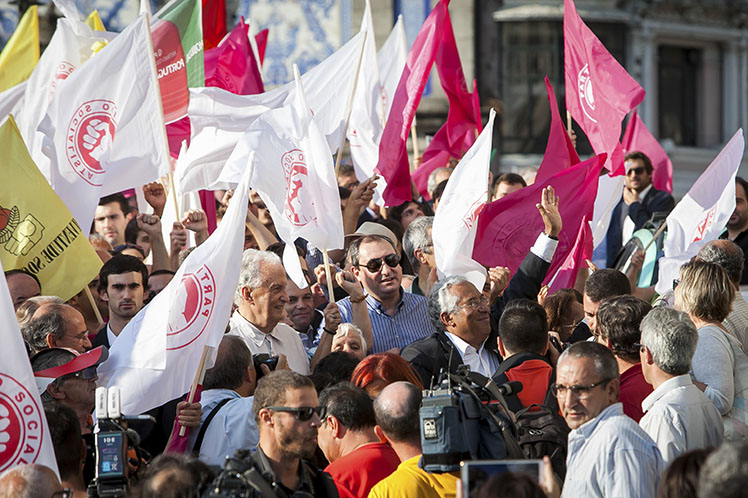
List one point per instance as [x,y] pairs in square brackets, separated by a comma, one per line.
[476,472]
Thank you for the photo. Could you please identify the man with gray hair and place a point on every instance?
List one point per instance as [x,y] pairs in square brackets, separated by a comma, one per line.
[730,256]
[725,472]
[460,314]
[57,326]
[436,177]
[260,299]
[29,481]
[608,453]
[419,249]
[678,416]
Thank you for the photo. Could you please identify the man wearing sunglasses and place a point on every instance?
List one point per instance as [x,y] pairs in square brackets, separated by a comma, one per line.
[639,202]
[608,453]
[398,318]
[288,414]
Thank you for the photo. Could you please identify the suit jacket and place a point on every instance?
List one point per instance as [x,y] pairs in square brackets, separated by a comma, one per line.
[429,355]
[100,339]
[655,201]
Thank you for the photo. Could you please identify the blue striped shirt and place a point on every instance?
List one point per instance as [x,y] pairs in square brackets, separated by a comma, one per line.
[611,456]
[410,323]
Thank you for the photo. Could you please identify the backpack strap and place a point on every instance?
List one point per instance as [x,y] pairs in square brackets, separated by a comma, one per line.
[204,427]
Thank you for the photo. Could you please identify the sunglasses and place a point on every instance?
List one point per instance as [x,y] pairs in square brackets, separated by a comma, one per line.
[303,413]
[637,171]
[374,265]
[85,374]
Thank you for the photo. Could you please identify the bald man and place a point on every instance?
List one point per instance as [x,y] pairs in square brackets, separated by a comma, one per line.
[29,481]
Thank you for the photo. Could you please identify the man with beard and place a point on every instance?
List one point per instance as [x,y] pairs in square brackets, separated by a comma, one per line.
[737,225]
[288,415]
[123,282]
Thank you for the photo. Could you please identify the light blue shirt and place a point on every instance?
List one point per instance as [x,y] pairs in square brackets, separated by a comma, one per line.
[610,456]
[233,428]
[410,322]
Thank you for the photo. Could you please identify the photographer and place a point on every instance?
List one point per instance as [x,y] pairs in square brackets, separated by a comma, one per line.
[227,424]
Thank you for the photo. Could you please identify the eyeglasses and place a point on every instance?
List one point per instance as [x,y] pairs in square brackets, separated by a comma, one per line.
[63,493]
[303,413]
[374,265]
[475,303]
[637,171]
[85,374]
[579,392]
[641,347]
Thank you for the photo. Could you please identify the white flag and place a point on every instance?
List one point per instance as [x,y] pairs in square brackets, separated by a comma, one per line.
[219,118]
[70,46]
[295,177]
[392,57]
[367,114]
[9,98]
[155,357]
[104,129]
[24,434]
[455,223]
[703,212]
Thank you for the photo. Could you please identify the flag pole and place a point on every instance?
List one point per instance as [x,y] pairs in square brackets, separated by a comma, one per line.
[414,137]
[349,107]
[656,234]
[174,194]
[568,121]
[329,277]
[93,305]
[199,376]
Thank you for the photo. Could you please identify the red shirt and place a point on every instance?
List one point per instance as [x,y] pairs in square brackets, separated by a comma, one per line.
[358,471]
[633,391]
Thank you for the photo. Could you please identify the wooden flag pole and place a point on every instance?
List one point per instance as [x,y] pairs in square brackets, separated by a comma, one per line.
[174,195]
[349,107]
[329,276]
[568,121]
[656,234]
[414,137]
[93,305]
[199,376]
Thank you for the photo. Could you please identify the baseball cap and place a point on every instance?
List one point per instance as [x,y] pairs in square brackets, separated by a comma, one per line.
[76,363]
[372,228]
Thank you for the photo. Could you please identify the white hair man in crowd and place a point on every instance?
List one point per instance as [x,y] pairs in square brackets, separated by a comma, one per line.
[608,453]
[260,299]
[679,417]
[419,249]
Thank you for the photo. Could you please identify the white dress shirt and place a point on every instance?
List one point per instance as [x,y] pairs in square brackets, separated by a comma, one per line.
[679,417]
[233,428]
[481,360]
[628,223]
[611,456]
[281,340]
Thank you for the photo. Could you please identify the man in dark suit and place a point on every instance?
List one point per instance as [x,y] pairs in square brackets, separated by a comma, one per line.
[640,200]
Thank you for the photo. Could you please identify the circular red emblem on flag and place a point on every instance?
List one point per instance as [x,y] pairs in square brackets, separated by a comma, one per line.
[586,94]
[64,69]
[192,309]
[298,203]
[89,135]
[21,428]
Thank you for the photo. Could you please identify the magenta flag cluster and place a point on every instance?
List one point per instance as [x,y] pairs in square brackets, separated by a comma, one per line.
[599,92]
[638,137]
[463,124]
[393,155]
[559,151]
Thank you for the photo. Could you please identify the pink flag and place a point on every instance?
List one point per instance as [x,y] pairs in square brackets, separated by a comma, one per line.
[599,92]
[456,136]
[232,65]
[638,137]
[508,227]
[393,155]
[262,41]
[566,276]
[559,152]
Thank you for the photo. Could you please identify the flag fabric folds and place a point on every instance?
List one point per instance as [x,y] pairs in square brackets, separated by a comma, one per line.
[391,61]
[232,65]
[463,120]
[104,129]
[599,92]
[23,425]
[393,154]
[9,98]
[155,357]
[566,276]
[37,232]
[559,151]
[508,227]
[214,22]
[294,176]
[455,223]
[21,53]
[702,213]
[638,137]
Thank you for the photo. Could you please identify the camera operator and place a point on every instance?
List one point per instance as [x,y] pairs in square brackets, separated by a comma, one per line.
[70,451]
[227,424]
[287,412]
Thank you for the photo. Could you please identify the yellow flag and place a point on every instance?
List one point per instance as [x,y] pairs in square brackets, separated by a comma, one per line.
[94,21]
[20,55]
[37,231]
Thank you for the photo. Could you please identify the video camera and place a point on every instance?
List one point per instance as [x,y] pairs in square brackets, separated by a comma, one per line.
[465,417]
[113,441]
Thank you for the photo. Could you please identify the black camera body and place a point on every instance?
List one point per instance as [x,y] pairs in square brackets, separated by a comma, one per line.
[111,461]
[264,359]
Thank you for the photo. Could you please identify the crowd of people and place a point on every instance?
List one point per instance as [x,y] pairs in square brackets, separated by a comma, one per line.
[319,395]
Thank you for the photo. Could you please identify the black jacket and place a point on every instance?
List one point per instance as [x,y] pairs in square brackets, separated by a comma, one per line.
[100,339]
[655,201]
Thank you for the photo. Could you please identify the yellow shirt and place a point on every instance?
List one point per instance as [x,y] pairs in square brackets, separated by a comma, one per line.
[410,481]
